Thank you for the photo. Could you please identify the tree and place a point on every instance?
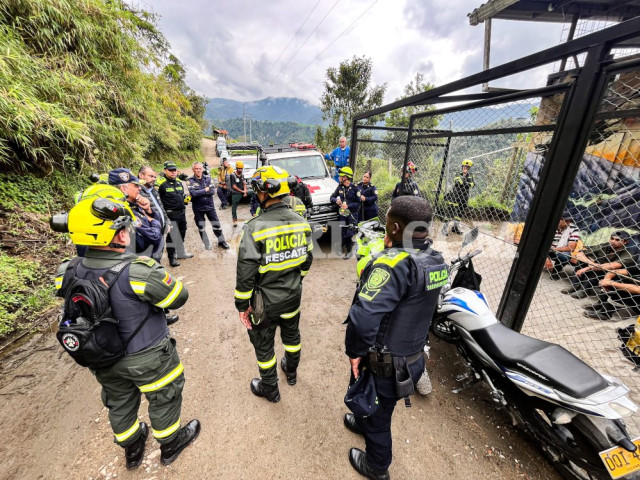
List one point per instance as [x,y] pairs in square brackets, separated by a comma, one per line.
[400,116]
[348,91]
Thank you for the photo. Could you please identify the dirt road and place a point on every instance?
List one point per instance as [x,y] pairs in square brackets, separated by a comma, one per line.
[54,426]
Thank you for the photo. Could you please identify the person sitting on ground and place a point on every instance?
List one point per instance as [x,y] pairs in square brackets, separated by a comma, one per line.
[594,262]
[564,242]
[621,286]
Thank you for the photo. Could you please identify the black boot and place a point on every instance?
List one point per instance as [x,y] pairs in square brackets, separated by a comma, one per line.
[358,460]
[171,319]
[270,392]
[289,373]
[187,434]
[134,453]
[173,261]
[349,421]
[456,230]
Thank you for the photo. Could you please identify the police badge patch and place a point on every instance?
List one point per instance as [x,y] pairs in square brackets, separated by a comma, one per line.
[377,279]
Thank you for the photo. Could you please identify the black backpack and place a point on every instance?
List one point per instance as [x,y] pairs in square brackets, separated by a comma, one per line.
[87,330]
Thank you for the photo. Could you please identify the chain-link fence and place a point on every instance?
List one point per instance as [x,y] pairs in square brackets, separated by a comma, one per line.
[511,162]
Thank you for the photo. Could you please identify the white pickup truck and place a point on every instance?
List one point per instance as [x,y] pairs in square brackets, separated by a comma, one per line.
[304,161]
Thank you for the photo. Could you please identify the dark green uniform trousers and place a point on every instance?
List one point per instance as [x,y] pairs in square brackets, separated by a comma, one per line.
[158,373]
[263,343]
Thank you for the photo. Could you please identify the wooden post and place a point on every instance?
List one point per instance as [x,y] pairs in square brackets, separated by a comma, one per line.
[487,50]
[508,180]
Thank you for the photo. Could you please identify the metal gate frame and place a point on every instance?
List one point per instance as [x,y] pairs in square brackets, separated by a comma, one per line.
[562,160]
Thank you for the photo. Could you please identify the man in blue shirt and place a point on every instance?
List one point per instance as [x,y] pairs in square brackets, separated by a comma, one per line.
[340,157]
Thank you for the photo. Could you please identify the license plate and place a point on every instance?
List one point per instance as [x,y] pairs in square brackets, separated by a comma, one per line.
[620,462]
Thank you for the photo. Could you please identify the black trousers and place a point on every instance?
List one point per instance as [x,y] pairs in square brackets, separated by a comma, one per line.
[175,242]
[201,221]
[377,427]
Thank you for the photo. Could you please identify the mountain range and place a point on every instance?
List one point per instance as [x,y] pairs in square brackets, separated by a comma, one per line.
[220,111]
[272,109]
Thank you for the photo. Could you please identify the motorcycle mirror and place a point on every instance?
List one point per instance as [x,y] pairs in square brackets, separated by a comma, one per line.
[470,237]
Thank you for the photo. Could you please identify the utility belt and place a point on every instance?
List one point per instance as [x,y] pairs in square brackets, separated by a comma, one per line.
[383,364]
[175,212]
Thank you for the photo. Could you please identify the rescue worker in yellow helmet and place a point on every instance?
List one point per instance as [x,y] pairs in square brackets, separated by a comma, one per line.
[455,201]
[273,257]
[151,364]
[349,199]
[238,190]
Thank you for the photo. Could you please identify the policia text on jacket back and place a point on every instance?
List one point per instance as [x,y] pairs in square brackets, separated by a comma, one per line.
[273,257]
[151,364]
[388,324]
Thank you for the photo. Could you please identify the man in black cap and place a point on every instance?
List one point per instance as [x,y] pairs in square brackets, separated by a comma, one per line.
[173,199]
[595,262]
[148,230]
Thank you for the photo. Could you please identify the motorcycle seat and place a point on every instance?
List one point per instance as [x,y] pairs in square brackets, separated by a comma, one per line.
[546,362]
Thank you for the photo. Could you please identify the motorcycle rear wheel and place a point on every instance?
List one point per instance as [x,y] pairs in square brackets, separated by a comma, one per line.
[577,458]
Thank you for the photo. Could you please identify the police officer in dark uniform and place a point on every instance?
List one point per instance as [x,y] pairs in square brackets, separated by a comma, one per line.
[347,197]
[202,191]
[408,186]
[173,199]
[151,364]
[369,197]
[388,323]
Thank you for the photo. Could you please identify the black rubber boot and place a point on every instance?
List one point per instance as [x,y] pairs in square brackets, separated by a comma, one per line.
[349,421]
[134,453]
[186,435]
[173,261]
[270,392]
[291,375]
[358,460]
[171,319]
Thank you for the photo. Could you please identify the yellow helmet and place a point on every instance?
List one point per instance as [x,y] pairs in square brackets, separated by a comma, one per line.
[271,180]
[101,190]
[239,164]
[346,172]
[95,220]
[467,163]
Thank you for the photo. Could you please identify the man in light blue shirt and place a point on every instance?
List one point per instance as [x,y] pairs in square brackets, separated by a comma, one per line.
[339,156]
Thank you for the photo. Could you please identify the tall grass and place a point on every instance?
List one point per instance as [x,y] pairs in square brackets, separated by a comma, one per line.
[84,85]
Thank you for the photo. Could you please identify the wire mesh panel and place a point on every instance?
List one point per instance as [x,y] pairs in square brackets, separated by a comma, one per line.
[500,159]
[588,297]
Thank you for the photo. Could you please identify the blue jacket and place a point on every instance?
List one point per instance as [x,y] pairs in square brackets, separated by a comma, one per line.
[201,201]
[340,159]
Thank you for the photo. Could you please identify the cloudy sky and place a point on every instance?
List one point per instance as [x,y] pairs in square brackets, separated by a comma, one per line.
[251,49]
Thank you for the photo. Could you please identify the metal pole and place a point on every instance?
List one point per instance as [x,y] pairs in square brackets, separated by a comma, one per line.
[487,51]
[445,160]
[556,179]
[572,31]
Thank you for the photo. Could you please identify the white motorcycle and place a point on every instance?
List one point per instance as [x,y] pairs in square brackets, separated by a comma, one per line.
[574,413]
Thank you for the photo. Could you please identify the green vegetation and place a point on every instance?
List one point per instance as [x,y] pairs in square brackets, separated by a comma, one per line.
[265,132]
[347,92]
[83,84]
[19,297]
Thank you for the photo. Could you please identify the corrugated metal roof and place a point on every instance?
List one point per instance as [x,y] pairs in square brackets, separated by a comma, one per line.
[558,11]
